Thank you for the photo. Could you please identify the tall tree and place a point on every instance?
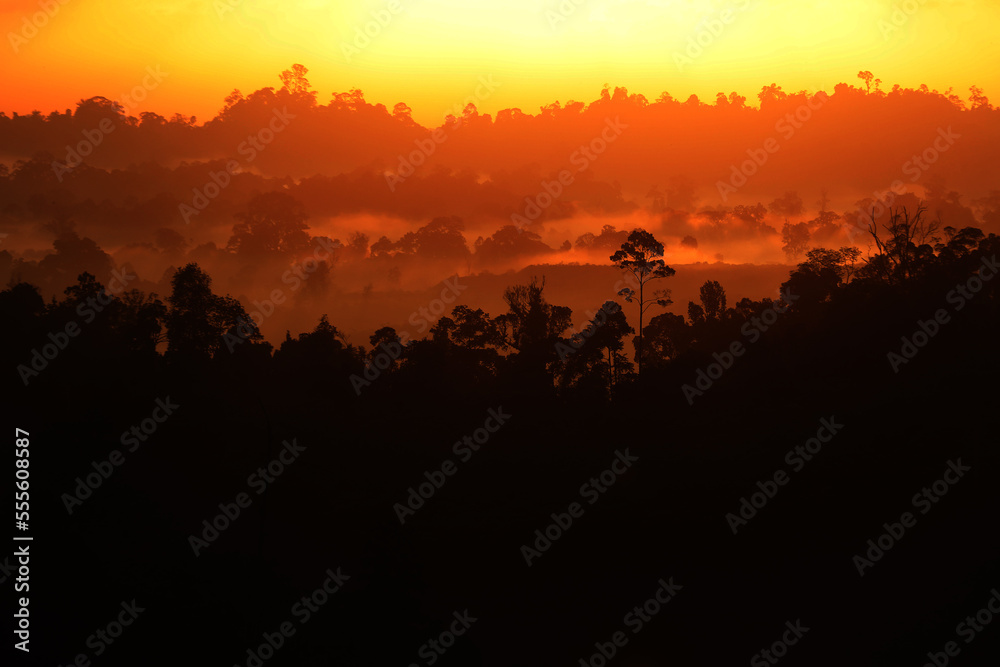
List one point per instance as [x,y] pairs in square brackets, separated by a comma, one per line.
[642,256]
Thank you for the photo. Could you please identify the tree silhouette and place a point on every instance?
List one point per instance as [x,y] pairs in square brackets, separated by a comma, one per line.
[824,271]
[508,242]
[531,321]
[474,329]
[642,256]
[593,356]
[532,326]
[666,337]
[795,238]
[867,77]
[143,317]
[198,319]
[696,313]
[906,249]
[75,255]
[439,240]
[959,243]
[273,223]
[789,204]
[294,81]
[713,299]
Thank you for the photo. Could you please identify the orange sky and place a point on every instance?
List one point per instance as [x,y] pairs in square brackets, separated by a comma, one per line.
[431,54]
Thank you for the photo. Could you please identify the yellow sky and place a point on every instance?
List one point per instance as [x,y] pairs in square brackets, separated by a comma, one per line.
[432,53]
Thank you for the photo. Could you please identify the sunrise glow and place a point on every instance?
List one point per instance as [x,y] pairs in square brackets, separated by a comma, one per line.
[430,53]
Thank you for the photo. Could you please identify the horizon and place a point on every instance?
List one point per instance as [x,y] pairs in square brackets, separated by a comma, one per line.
[962,98]
[647,50]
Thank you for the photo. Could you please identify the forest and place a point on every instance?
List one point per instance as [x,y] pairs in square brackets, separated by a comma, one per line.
[441,472]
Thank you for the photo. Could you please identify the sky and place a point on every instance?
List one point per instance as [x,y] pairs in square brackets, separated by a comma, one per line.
[434,54]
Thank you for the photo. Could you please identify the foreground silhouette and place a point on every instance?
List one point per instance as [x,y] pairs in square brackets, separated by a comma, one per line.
[857,344]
